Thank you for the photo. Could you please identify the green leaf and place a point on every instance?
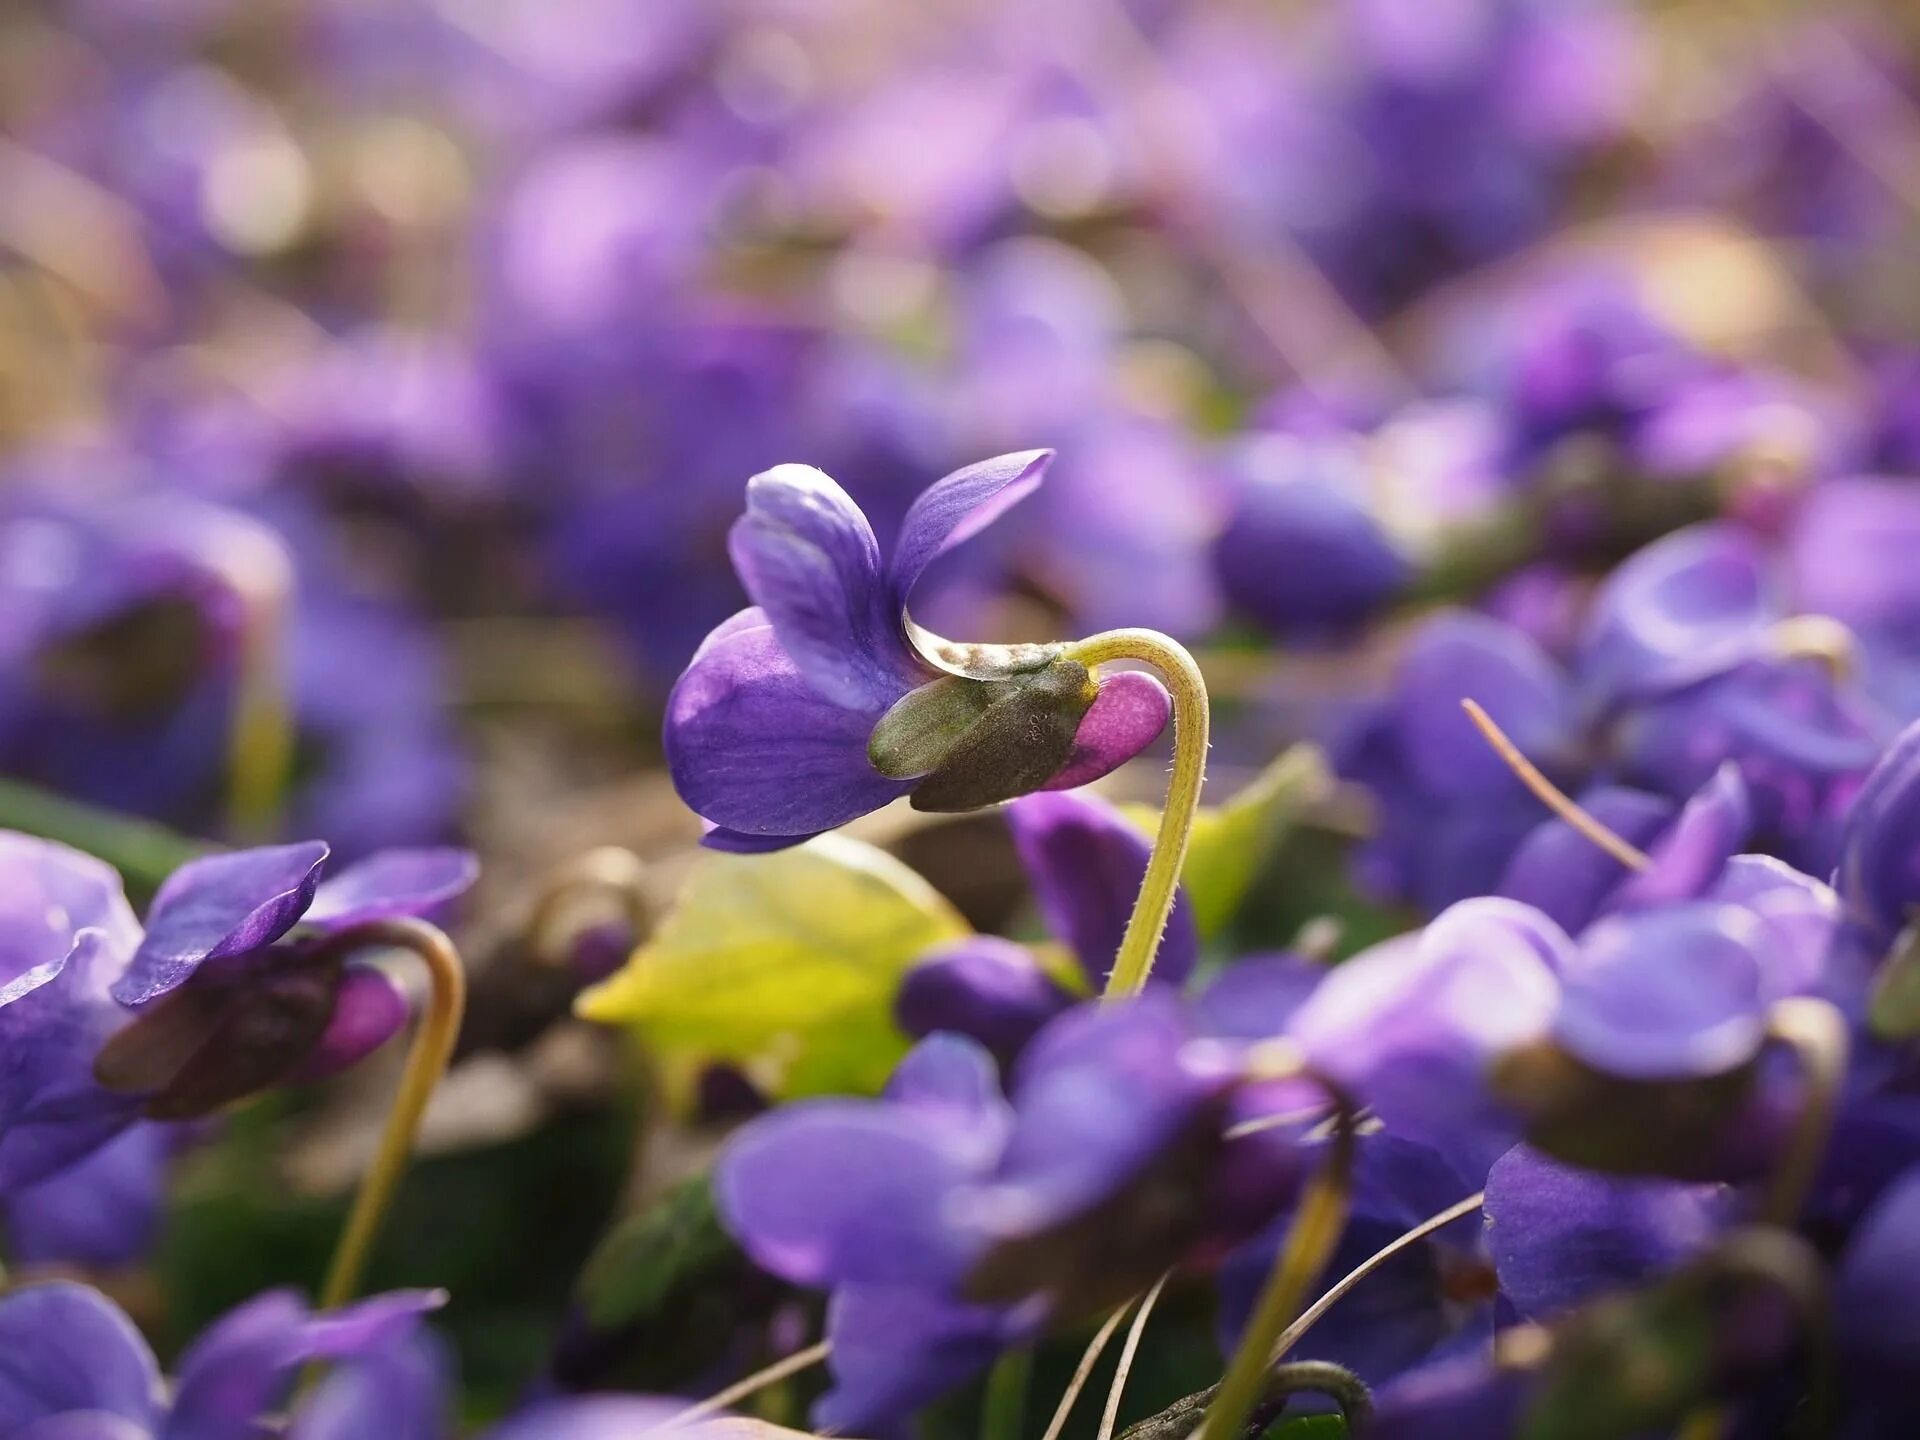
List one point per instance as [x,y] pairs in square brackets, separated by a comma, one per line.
[1233,843]
[785,965]
[1893,1008]
[649,1257]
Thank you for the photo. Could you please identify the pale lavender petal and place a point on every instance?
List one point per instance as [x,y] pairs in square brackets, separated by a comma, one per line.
[1130,711]
[957,508]
[955,1084]
[66,1347]
[1667,994]
[392,883]
[1562,873]
[48,893]
[895,1349]
[1686,860]
[218,906]
[1086,862]
[596,1417]
[755,749]
[399,1392]
[1852,549]
[808,558]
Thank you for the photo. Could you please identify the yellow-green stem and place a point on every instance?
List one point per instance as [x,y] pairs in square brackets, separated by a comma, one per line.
[427,1061]
[1189,690]
[260,740]
[1003,1413]
[1817,1034]
[1318,1223]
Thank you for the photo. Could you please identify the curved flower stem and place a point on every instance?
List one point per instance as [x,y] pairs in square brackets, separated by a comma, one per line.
[1190,721]
[609,870]
[255,566]
[1817,1034]
[426,1062]
[1318,1223]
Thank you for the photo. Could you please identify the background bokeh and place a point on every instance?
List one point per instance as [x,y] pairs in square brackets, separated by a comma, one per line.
[414,354]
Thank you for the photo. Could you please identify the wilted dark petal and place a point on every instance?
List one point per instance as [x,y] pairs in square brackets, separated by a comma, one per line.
[1879,873]
[1560,1235]
[1411,1026]
[66,1347]
[987,988]
[1127,715]
[1687,859]
[958,507]
[1460,656]
[835,1191]
[48,893]
[756,750]
[1256,996]
[103,1211]
[231,1031]
[1563,874]
[392,883]
[370,1007]
[219,906]
[1687,606]
[1666,995]
[1086,861]
[896,1349]
[808,558]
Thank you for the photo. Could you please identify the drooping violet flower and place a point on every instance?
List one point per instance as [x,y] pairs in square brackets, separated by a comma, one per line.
[241,979]
[824,702]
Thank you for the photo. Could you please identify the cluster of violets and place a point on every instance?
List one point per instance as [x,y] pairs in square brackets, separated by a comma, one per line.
[345,327]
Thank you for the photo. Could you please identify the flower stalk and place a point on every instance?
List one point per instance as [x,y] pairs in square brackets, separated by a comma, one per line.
[260,741]
[427,1062]
[1188,687]
[1318,1223]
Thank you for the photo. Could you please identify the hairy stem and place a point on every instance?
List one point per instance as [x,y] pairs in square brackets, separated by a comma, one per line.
[427,1062]
[1318,1223]
[1134,963]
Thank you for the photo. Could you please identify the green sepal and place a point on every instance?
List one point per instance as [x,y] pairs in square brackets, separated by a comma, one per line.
[1020,740]
[915,736]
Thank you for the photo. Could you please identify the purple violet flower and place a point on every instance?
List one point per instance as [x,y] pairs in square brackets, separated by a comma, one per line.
[776,729]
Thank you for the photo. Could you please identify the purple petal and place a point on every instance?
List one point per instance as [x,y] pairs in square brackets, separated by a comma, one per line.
[1669,994]
[1086,862]
[1851,552]
[957,508]
[369,1008]
[955,1084]
[1461,1395]
[218,906]
[735,842]
[52,1111]
[66,1347]
[833,1191]
[1687,606]
[1689,857]
[48,893]
[1411,1026]
[808,558]
[1127,715]
[896,1349]
[1564,874]
[1561,1235]
[989,989]
[1877,1288]
[103,1211]
[594,1417]
[392,883]
[1879,872]
[1800,914]
[755,749]
[399,1392]
[1458,657]
[1255,997]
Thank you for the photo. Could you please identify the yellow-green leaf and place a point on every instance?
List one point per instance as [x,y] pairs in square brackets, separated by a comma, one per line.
[784,964]
[1233,842]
